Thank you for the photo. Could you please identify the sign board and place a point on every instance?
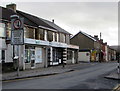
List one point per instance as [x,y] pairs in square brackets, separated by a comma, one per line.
[17,37]
[17,31]
[17,24]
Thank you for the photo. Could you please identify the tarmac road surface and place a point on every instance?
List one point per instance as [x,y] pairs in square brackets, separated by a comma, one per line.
[90,76]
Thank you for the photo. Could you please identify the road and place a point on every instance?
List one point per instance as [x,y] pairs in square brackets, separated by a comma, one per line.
[86,76]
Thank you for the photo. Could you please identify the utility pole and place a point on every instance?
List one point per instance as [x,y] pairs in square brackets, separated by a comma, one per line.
[100,47]
[100,35]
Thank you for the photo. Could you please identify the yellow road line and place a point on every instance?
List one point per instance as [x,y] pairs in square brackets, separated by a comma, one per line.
[117,88]
[20,79]
[34,77]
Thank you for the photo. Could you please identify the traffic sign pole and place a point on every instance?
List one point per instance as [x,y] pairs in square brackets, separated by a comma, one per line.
[17,36]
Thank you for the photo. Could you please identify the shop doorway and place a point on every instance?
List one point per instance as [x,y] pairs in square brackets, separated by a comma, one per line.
[30,57]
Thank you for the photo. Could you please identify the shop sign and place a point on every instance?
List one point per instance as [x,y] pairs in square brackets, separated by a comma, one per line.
[73,46]
[58,44]
[40,42]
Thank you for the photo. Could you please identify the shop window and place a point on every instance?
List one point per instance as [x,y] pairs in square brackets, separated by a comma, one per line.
[3,55]
[2,30]
[38,55]
[29,54]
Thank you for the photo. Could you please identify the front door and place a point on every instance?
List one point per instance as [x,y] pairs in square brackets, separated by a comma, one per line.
[32,58]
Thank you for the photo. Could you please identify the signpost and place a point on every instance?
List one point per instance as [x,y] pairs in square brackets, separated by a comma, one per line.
[17,33]
[17,36]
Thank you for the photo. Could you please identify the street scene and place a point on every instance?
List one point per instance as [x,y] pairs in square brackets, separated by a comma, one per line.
[77,49]
[80,76]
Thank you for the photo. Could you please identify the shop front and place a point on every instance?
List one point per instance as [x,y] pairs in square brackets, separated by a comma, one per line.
[55,56]
[56,53]
[94,55]
[35,54]
[72,54]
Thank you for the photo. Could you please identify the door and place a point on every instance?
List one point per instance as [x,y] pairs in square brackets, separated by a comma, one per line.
[32,57]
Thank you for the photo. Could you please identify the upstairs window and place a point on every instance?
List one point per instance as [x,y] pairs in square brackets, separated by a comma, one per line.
[50,36]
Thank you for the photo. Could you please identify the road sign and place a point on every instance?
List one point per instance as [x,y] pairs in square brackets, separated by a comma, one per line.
[17,31]
[17,37]
[17,23]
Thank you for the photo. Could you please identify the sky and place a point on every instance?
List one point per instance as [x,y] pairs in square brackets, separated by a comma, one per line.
[89,17]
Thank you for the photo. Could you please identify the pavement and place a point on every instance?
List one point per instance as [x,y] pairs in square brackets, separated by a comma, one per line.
[35,73]
[84,76]
[114,75]
[49,71]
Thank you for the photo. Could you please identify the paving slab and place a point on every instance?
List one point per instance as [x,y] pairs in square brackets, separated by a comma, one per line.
[34,73]
[115,76]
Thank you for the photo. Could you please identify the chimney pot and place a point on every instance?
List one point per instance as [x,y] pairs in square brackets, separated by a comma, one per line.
[11,6]
[96,37]
[53,20]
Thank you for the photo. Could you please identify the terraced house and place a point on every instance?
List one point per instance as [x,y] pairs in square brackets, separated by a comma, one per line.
[45,43]
[90,48]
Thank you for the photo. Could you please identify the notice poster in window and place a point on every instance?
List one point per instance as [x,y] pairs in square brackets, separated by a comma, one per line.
[38,55]
[2,30]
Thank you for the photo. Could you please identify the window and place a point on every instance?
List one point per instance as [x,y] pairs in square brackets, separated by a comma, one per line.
[26,32]
[3,55]
[2,30]
[31,33]
[50,36]
[41,31]
[69,55]
[67,39]
[29,53]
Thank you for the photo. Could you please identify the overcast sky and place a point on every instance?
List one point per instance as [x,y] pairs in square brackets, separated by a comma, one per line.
[89,17]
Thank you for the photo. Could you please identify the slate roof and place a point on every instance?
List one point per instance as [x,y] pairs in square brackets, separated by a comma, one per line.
[5,13]
[115,47]
[87,35]
[32,20]
[59,29]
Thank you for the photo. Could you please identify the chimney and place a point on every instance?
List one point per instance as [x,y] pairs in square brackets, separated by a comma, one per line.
[96,37]
[53,20]
[11,6]
[101,40]
[105,43]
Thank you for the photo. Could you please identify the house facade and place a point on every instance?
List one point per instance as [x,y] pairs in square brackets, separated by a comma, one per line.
[97,50]
[87,42]
[45,43]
